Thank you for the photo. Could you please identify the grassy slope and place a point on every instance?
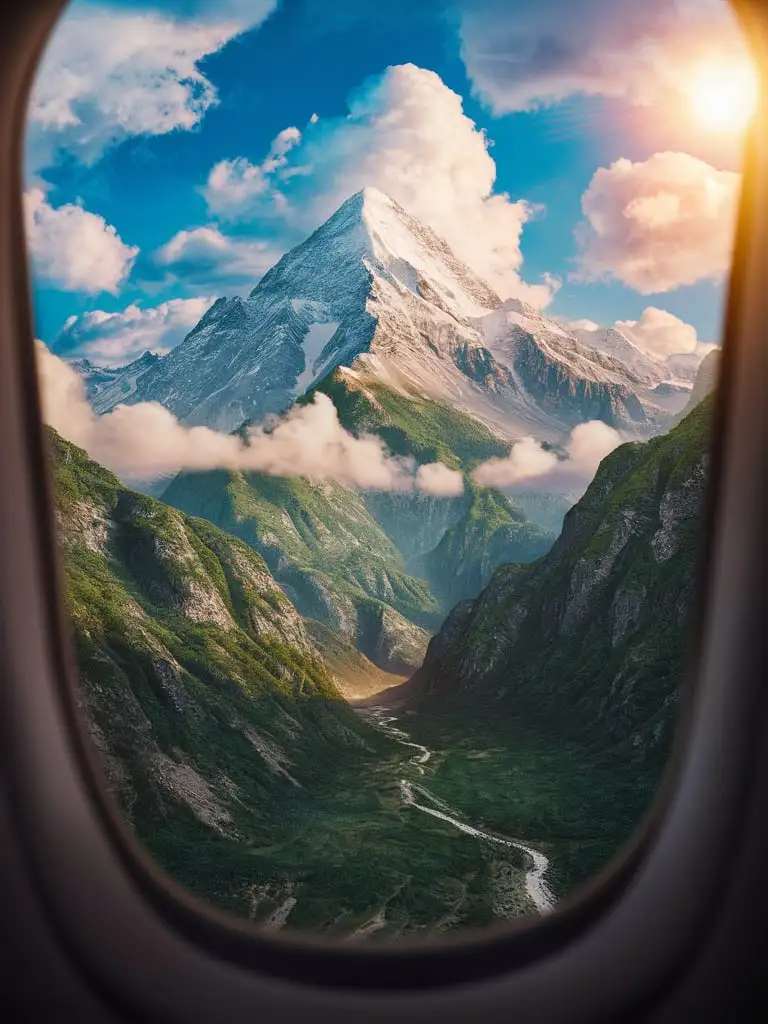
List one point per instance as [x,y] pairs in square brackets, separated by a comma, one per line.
[489,529]
[338,554]
[492,532]
[409,425]
[224,740]
[554,693]
[326,551]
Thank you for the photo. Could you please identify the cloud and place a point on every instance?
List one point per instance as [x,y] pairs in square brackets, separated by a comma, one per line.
[659,333]
[437,479]
[234,184]
[204,258]
[110,73]
[113,339]
[145,441]
[406,134]
[529,466]
[658,224]
[581,325]
[523,56]
[73,248]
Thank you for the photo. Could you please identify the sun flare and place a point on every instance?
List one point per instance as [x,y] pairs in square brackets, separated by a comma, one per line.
[724,96]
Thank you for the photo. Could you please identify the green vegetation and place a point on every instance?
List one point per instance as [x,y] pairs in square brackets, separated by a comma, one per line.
[409,424]
[547,702]
[577,659]
[491,532]
[225,741]
[328,554]
[380,569]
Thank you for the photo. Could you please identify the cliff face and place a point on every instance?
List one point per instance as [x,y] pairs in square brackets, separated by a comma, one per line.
[589,641]
[202,688]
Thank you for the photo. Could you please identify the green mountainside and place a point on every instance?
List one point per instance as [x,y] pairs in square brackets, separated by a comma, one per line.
[572,665]
[408,424]
[381,569]
[546,706]
[227,745]
[492,532]
[327,553]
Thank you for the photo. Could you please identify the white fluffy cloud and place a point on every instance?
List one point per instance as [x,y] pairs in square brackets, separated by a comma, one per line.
[234,184]
[530,466]
[73,248]
[113,339]
[660,333]
[437,479]
[406,134]
[204,258]
[146,441]
[658,224]
[111,73]
[521,55]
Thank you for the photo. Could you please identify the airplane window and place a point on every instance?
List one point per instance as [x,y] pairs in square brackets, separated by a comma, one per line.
[377,347]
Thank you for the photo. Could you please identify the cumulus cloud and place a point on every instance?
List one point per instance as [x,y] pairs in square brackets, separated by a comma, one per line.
[581,325]
[204,258]
[658,224]
[660,333]
[234,184]
[529,466]
[437,479]
[113,339]
[73,248]
[523,56]
[406,134]
[145,441]
[109,73]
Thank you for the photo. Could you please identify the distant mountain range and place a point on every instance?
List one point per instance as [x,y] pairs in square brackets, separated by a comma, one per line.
[376,290]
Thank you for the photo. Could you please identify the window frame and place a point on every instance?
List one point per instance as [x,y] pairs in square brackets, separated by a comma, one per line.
[628,934]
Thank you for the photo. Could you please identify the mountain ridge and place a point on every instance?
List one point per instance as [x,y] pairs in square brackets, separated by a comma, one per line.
[375,289]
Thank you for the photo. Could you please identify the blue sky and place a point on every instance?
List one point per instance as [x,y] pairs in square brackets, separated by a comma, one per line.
[136,104]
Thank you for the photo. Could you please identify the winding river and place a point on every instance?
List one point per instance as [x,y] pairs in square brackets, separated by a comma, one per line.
[535,877]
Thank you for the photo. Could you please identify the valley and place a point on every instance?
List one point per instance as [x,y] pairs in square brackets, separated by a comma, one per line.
[373,712]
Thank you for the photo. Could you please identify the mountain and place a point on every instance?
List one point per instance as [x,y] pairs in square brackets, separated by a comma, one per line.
[574,375]
[595,629]
[613,343]
[380,569]
[227,746]
[566,671]
[106,386]
[202,687]
[491,532]
[328,555]
[705,382]
[375,290]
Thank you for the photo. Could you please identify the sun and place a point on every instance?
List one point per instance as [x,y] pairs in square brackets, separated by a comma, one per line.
[723,96]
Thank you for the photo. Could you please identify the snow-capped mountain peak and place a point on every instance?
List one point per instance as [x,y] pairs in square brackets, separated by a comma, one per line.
[375,285]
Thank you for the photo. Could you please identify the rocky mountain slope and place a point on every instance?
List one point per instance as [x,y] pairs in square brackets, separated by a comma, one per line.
[705,382]
[553,695]
[106,386]
[589,641]
[374,289]
[226,744]
[327,553]
[203,689]
[380,569]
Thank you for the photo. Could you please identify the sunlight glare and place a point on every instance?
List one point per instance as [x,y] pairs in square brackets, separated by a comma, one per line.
[724,97]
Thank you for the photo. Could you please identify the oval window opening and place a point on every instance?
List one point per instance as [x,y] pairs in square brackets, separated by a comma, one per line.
[377,350]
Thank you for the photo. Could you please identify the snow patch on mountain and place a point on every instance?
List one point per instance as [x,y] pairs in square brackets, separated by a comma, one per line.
[317,337]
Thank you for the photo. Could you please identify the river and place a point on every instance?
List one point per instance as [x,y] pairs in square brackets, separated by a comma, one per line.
[536,885]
